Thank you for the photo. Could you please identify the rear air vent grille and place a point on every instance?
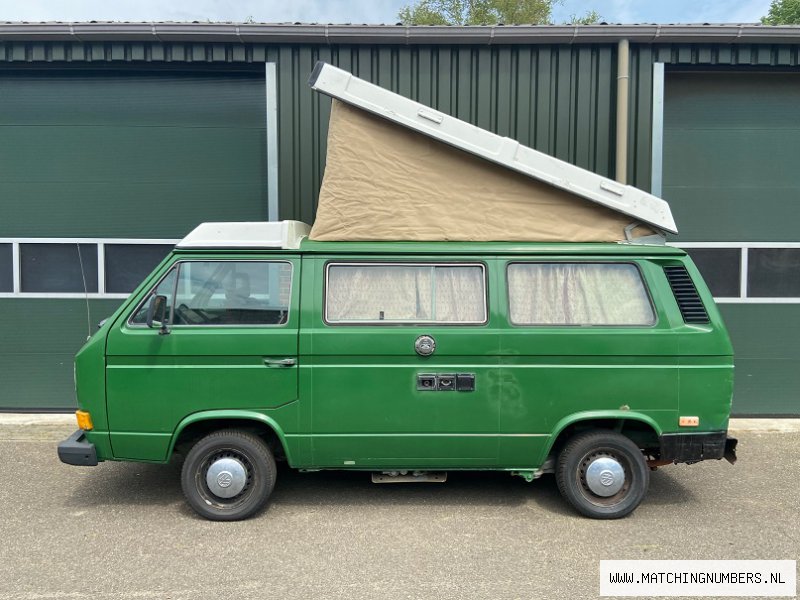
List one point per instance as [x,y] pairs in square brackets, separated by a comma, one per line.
[688,299]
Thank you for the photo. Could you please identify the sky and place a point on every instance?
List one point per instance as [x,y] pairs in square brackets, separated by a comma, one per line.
[361,11]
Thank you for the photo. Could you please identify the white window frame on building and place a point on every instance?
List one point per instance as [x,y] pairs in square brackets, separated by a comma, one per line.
[744,259]
[101,244]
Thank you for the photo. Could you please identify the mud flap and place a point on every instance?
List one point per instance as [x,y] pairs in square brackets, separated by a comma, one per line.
[730,450]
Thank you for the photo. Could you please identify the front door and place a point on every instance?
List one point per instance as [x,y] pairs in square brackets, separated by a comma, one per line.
[404,365]
[229,342]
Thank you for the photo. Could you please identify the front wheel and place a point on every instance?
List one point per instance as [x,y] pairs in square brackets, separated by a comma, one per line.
[228,475]
[603,474]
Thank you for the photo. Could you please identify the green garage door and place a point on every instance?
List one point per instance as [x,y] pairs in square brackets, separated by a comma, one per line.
[118,161]
[731,143]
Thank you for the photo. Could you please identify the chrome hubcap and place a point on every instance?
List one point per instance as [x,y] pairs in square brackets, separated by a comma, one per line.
[226,477]
[605,476]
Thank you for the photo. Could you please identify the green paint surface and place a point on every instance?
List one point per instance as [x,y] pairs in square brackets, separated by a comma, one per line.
[351,400]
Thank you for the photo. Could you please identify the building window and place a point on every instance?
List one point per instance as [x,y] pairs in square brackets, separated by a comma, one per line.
[720,268]
[767,272]
[126,265]
[58,268]
[6,268]
[51,267]
[405,293]
[773,273]
[577,294]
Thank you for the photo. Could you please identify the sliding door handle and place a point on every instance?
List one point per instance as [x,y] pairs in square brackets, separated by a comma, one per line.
[276,363]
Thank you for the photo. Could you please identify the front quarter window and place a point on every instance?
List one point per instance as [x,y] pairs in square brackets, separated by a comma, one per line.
[166,287]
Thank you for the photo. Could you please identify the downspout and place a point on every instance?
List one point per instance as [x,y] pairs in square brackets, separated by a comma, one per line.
[623,77]
[623,80]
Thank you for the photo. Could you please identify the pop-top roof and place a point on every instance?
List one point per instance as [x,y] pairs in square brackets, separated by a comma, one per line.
[285,235]
[503,151]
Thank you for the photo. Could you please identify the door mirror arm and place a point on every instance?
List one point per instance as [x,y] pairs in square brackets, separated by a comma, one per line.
[157,313]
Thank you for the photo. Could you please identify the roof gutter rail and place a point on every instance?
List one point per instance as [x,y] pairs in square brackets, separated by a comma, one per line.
[277,33]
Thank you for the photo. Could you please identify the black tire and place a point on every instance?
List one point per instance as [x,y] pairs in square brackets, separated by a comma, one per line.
[254,456]
[576,456]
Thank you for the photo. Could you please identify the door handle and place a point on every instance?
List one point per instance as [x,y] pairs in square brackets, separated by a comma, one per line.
[275,363]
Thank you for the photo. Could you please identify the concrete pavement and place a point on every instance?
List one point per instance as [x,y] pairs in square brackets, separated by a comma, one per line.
[122,530]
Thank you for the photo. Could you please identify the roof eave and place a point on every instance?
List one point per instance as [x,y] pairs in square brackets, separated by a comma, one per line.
[398,34]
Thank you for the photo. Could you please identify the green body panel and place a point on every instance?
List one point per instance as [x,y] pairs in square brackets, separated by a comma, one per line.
[351,401]
[589,416]
[296,447]
[91,389]
[154,381]
[366,408]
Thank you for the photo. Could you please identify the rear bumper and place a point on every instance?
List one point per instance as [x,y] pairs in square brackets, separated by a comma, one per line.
[694,447]
[75,450]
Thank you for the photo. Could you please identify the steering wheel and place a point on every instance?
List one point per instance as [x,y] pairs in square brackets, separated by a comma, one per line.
[191,316]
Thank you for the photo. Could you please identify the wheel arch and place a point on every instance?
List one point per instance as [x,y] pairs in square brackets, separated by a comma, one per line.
[636,426]
[196,425]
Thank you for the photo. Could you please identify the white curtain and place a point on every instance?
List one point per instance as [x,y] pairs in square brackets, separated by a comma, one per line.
[577,294]
[460,295]
[405,293]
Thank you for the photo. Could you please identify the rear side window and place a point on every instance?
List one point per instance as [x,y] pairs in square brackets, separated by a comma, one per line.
[578,294]
[405,293]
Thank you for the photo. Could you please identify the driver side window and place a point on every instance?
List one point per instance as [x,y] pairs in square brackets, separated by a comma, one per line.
[225,293]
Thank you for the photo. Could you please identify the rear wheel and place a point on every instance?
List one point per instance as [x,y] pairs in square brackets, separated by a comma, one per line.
[228,475]
[603,474]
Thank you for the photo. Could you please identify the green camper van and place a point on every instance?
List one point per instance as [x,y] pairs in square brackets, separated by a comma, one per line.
[250,344]
[398,337]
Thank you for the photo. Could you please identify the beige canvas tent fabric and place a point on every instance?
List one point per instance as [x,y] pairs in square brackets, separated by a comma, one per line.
[385,182]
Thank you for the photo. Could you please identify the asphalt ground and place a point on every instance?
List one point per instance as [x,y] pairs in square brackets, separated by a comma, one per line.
[122,530]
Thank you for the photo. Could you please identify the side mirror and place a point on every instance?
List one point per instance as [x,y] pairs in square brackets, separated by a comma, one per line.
[157,312]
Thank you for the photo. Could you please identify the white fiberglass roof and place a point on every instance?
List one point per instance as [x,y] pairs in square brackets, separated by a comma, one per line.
[285,235]
[509,153]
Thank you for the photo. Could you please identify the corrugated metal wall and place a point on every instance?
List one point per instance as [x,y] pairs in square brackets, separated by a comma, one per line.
[165,147]
[730,175]
[556,98]
[111,153]
[559,99]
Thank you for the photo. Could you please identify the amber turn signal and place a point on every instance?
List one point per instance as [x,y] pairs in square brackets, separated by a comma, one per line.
[84,420]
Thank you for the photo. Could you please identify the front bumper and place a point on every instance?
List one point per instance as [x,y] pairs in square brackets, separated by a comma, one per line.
[694,447]
[75,450]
